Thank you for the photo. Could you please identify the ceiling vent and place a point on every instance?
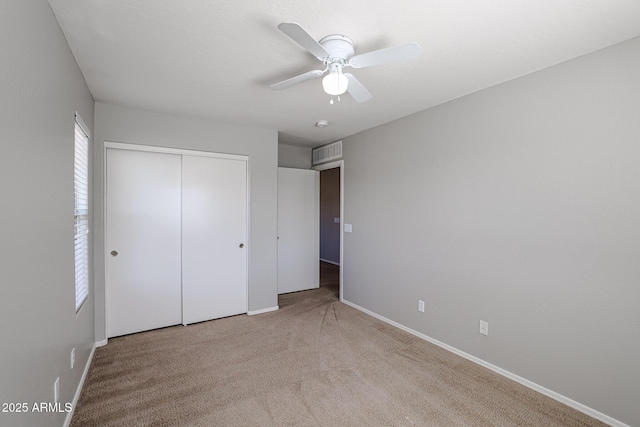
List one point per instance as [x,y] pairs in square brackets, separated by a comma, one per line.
[326,153]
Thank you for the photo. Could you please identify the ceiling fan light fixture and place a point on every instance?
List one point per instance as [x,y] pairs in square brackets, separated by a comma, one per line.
[335,83]
[336,51]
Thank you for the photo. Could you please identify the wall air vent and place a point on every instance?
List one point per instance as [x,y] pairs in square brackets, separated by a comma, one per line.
[328,152]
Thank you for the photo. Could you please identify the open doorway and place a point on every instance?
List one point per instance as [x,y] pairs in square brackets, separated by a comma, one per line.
[330,229]
[331,212]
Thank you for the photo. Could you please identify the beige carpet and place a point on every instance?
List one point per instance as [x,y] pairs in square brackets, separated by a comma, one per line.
[314,362]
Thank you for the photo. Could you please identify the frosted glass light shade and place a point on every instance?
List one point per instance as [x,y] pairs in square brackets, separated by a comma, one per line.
[335,83]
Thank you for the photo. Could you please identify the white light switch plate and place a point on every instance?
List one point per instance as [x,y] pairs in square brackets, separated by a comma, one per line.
[347,228]
[484,328]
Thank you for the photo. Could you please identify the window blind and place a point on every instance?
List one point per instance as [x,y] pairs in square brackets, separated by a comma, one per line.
[81,212]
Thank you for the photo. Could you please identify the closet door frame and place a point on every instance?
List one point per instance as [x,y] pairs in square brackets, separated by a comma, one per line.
[168,150]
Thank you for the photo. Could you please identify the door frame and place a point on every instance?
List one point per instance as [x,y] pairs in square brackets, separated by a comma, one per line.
[333,165]
[166,150]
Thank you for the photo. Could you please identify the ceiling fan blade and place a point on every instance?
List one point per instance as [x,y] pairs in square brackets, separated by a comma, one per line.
[356,89]
[304,39]
[297,79]
[386,56]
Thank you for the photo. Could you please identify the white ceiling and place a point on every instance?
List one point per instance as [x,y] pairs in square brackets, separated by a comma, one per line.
[217,58]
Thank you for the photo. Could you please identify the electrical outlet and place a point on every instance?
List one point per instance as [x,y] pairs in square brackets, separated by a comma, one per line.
[484,328]
[421,306]
[73,357]
[56,390]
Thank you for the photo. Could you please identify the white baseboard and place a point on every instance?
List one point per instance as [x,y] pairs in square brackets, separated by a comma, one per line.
[76,397]
[102,343]
[330,262]
[536,387]
[261,311]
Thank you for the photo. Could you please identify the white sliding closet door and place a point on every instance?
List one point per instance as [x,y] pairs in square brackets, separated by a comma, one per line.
[214,238]
[298,229]
[143,264]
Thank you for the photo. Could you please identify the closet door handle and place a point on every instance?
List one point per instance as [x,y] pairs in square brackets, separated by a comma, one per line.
[241,245]
[114,253]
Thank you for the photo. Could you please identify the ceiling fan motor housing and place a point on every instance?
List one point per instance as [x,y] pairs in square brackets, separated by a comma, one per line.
[339,47]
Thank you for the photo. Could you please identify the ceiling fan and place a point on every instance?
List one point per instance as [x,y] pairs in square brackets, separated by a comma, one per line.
[336,52]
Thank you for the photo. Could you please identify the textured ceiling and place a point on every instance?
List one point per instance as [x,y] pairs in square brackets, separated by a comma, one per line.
[216,59]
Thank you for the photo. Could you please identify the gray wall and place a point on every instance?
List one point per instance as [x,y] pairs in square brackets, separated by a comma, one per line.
[518,205]
[120,124]
[40,89]
[291,156]
[330,209]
